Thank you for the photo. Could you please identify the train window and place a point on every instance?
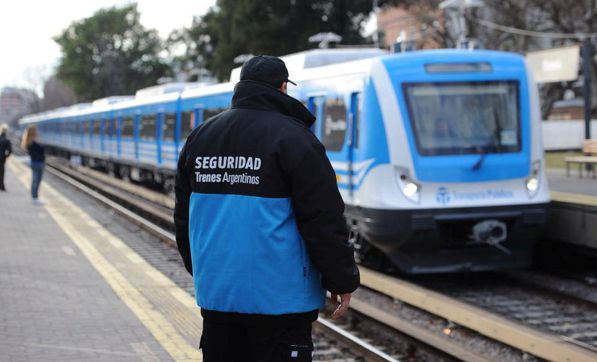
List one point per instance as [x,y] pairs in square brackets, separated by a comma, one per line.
[127,127]
[210,112]
[85,128]
[110,127]
[465,117]
[96,128]
[334,124]
[187,123]
[168,126]
[147,128]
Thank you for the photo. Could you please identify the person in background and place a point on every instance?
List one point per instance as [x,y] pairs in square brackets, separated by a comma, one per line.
[38,158]
[5,151]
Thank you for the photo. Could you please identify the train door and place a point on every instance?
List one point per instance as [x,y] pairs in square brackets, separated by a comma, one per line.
[137,133]
[353,137]
[158,134]
[102,135]
[315,106]
[119,124]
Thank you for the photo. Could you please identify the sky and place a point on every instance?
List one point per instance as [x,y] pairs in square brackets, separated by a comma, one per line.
[28,54]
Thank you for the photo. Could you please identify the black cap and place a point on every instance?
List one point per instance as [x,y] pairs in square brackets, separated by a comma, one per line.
[267,69]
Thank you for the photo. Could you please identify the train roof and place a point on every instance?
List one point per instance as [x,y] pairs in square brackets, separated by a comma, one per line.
[314,58]
[303,66]
[453,55]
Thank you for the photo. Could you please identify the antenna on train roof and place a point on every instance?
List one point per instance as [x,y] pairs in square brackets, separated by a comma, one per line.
[324,39]
[240,59]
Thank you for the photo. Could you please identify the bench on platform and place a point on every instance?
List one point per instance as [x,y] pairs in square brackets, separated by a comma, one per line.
[589,148]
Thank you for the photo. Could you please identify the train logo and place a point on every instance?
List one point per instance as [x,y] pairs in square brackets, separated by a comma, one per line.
[443,196]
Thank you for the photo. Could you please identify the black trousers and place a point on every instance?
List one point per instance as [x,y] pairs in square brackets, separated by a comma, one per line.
[2,175]
[228,341]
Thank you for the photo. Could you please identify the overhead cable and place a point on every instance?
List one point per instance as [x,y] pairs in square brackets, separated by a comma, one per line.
[538,34]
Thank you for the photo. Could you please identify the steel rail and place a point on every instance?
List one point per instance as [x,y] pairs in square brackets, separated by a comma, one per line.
[548,346]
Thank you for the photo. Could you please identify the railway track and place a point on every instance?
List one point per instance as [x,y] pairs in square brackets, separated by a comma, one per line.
[501,324]
[335,343]
[572,318]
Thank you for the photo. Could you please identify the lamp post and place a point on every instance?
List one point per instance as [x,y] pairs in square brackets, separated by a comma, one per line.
[587,57]
[456,9]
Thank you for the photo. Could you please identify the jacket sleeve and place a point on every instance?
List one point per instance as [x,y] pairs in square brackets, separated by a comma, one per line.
[319,212]
[182,190]
[8,149]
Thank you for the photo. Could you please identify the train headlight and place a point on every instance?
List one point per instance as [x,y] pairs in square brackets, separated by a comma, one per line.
[532,183]
[409,188]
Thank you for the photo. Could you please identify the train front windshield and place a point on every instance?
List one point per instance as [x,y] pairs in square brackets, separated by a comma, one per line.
[464,118]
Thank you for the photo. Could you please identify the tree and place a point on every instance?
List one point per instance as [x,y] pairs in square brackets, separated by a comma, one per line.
[56,94]
[571,17]
[235,27]
[110,53]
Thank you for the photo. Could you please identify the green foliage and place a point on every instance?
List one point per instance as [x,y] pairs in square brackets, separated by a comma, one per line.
[235,27]
[110,53]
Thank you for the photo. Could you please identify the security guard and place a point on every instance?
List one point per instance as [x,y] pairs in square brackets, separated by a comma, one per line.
[259,223]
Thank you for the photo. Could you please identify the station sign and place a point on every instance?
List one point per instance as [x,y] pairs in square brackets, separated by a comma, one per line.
[555,65]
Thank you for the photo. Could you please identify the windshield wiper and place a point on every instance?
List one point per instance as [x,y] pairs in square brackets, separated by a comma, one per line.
[481,159]
[495,142]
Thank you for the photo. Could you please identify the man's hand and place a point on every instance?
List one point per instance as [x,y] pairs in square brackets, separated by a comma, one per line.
[343,306]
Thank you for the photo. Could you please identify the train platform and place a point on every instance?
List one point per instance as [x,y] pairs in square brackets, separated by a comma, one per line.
[72,290]
[572,184]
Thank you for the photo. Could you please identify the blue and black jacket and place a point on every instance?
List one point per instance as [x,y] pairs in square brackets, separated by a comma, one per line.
[259,219]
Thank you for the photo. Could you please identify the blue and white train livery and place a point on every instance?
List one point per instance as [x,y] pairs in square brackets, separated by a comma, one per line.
[438,154]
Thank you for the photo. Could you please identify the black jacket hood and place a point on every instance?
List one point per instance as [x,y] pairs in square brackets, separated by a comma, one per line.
[250,94]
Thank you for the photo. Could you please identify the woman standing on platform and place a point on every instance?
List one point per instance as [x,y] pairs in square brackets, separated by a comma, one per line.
[37,154]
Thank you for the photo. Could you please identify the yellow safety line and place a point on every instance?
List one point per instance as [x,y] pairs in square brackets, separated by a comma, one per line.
[154,321]
[543,345]
[572,198]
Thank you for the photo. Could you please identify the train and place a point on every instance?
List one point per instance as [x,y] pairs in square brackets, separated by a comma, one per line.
[438,153]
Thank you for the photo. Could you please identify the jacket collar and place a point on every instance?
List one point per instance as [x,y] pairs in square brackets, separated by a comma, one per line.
[250,94]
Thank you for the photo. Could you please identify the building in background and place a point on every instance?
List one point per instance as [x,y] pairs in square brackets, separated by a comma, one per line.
[567,109]
[396,21]
[17,102]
